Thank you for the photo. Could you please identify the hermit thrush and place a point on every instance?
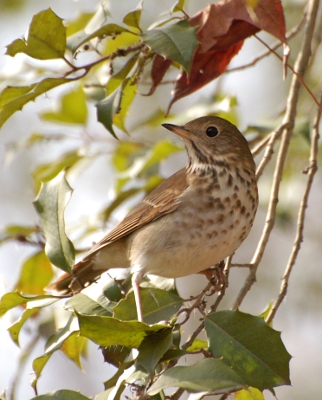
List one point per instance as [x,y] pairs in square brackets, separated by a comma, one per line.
[193,220]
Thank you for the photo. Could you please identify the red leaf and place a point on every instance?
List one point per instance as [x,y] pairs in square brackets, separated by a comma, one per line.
[222,28]
[159,68]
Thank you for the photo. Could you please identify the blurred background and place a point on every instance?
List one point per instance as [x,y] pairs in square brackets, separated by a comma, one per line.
[259,94]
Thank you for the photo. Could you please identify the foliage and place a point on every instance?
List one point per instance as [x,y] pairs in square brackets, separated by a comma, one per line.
[242,353]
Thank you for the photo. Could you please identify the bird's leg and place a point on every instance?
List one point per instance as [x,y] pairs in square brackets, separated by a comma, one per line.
[216,275]
[136,280]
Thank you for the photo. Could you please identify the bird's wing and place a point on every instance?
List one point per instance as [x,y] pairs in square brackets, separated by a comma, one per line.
[161,201]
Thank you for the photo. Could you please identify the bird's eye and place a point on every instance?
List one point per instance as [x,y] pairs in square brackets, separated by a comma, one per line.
[212,131]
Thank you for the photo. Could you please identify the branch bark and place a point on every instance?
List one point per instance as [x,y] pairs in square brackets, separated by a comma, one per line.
[300,67]
[311,171]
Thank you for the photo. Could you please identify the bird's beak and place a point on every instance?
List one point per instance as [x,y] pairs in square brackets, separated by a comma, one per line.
[178,130]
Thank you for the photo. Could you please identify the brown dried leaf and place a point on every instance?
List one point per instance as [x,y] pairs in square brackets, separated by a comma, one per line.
[222,28]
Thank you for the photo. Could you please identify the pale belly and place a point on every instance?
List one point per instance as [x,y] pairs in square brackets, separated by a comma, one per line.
[187,241]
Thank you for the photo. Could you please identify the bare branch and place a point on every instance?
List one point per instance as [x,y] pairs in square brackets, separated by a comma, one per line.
[288,122]
[269,150]
[311,171]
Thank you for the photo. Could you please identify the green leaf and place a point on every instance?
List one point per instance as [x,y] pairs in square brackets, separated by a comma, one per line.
[107,331]
[56,341]
[249,347]
[176,42]
[83,304]
[198,345]
[73,347]
[249,394]
[12,98]
[38,365]
[149,353]
[46,38]
[113,109]
[47,172]
[15,329]
[78,24]
[133,18]
[178,6]
[14,299]
[120,199]
[72,110]
[160,151]
[129,90]
[107,108]
[115,355]
[125,154]
[106,30]
[157,305]
[61,395]
[35,274]
[208,375]
[120,74]
[17,232]
[50,204]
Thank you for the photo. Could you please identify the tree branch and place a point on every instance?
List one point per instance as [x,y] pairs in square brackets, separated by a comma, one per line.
[311,171]
[288,121]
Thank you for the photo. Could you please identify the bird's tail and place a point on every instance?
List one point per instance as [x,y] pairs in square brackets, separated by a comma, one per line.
[83,274]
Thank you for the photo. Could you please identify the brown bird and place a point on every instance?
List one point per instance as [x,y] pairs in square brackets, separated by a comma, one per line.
[193,220]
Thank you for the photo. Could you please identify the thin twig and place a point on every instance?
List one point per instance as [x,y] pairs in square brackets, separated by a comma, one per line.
[311,171]
[269,150]
[193,336]
[289,121]
[298,75]
[222,292]
[274,46]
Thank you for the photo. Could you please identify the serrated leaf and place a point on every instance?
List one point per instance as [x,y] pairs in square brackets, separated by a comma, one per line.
[107,108]
[50,204]
[35,274]
[129,90]
[208,375]
[115,355]
[133,18]
[249,394]
[250,347]
[64,394]
[107,331]
[12,98]
[113,109]
[118,76]
[46,38]
[72,109]
[106,30]
[14,299]
[149,353]
[157,305]
[15,329]
[176,42]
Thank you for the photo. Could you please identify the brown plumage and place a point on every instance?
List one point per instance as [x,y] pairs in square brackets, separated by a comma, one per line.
[193,220]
